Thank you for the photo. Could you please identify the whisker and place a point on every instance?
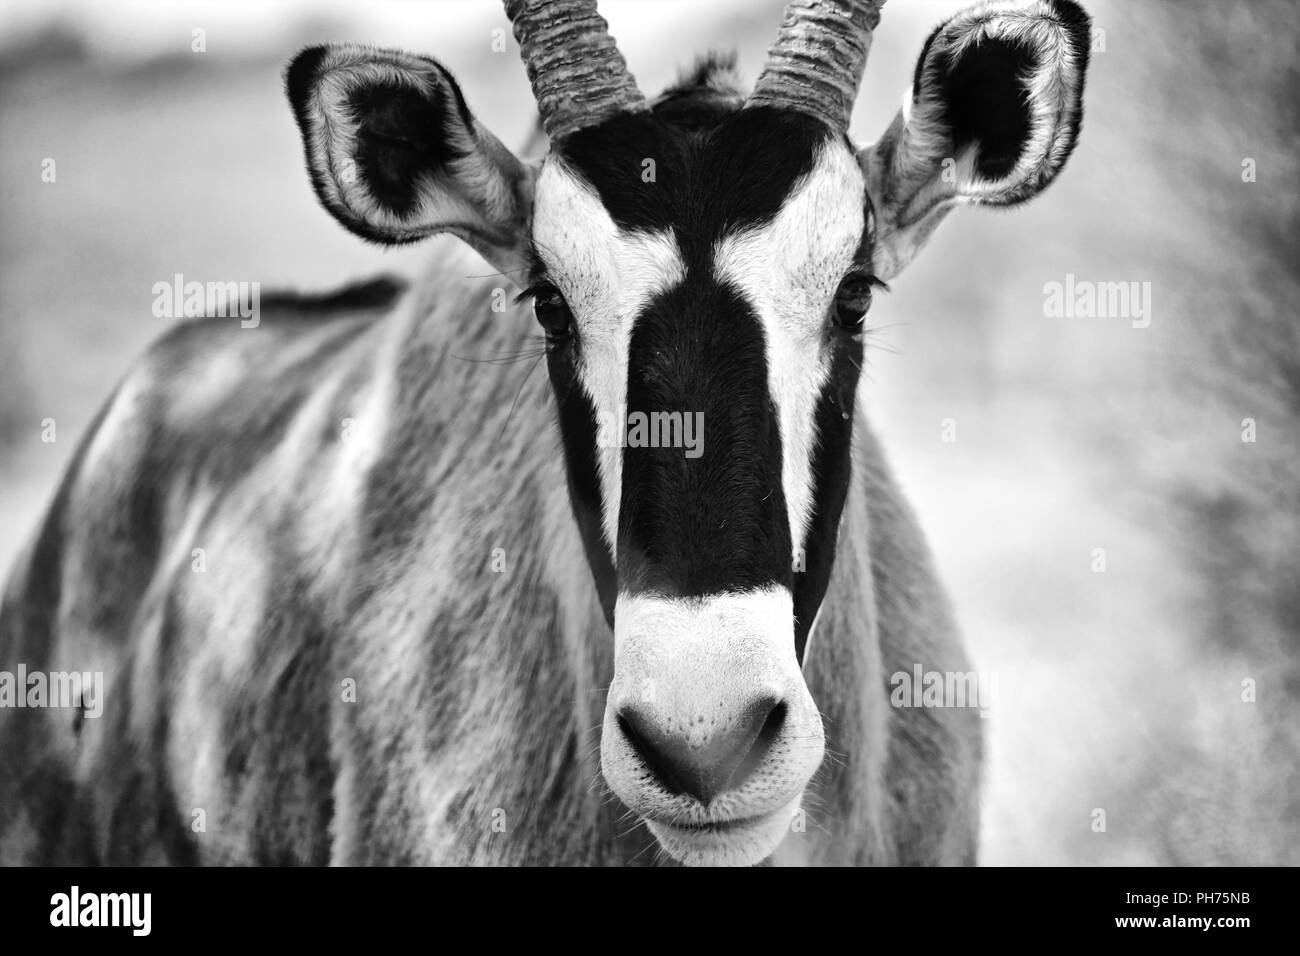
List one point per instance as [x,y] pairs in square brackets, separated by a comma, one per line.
[493,275]
[510,414]
[506,356]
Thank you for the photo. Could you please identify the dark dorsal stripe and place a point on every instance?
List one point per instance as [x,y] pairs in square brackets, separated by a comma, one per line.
[379,292]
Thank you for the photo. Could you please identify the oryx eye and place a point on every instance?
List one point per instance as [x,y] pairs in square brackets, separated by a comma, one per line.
[552,311]
[853,300]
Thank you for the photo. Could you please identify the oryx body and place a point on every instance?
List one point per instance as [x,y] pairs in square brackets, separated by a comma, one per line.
[354,603]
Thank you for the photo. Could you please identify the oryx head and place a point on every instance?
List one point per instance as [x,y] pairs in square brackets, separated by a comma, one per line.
[701,266]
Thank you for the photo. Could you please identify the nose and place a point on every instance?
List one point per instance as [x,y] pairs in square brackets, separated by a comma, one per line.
[703,756]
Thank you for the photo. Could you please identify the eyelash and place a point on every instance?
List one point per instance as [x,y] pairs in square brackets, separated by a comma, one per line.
[532,289]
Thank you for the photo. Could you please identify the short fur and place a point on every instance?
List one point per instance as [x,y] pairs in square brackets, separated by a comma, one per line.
[333,578]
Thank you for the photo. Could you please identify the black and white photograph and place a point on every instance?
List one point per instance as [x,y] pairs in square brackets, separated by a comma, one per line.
[650,433]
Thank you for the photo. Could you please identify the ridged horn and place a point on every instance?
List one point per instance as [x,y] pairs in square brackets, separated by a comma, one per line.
[578,76]
[816,64]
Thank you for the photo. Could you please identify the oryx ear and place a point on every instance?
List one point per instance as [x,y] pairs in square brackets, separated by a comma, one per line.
[994,111]
[395,154]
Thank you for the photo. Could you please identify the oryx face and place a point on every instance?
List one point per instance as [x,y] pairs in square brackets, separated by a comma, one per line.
[703,291]
[701,269]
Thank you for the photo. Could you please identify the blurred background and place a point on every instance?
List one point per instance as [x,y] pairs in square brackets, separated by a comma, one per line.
[1161,690]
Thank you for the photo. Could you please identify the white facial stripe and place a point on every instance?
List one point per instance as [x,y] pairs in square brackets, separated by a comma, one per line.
[789,270]
[607,276]
[752,627]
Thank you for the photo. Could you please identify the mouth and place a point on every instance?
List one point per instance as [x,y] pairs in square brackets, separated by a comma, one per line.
[740,841]
[715,826]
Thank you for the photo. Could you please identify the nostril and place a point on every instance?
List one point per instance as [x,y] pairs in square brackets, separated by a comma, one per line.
[703,767]
[632,726]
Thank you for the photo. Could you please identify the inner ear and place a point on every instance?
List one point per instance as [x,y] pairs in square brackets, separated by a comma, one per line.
[395,155]
[986,103]
[403,138]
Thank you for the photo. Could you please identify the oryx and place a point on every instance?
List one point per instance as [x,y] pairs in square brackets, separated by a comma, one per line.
[356,603]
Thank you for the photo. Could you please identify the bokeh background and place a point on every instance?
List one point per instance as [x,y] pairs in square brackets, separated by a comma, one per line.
[1162,691]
